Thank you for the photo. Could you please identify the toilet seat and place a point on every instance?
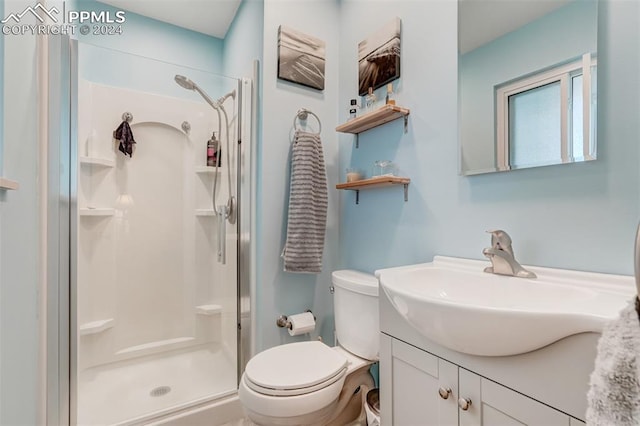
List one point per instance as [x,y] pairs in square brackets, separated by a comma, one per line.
[295,369]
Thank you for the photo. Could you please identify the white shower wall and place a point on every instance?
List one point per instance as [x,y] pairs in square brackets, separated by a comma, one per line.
[147,279]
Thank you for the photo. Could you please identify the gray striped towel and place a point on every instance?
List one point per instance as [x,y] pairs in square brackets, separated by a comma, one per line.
[308,201]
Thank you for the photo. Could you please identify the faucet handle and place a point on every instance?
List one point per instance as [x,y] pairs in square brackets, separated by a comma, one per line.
[501,240]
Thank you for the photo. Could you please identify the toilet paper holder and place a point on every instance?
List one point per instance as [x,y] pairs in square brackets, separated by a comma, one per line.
[283,320]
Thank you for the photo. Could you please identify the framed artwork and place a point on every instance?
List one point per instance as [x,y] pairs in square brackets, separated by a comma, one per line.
[301,58]
[379,58]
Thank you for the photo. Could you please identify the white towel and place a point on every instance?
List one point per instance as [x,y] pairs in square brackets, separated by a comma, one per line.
[614,394]
[308,201]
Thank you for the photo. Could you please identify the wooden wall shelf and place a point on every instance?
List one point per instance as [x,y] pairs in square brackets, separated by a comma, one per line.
[8,184]
[376,182]
[375,118]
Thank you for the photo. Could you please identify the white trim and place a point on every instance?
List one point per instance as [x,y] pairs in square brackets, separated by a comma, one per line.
[253,188]
[586,105]
[502,138]
[564,118]
[42,118]
[562,75]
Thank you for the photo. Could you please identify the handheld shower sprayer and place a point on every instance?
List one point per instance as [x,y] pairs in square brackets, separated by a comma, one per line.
[184,82]
[228,211]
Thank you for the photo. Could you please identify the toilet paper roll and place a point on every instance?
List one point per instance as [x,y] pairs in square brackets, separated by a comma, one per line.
[301,323]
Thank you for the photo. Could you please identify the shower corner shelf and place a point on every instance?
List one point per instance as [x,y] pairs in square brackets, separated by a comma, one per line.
[205,212]
[376,182]
[95,327]
[208,309]
[96,161]
[103,211]
[207,169]
[8,184]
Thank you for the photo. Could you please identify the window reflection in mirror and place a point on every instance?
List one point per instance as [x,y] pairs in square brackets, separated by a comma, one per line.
[525,71]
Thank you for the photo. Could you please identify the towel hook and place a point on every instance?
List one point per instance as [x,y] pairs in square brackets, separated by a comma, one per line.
[127,116]
[303,114]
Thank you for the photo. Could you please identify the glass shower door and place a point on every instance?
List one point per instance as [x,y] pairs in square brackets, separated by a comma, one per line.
[154,326]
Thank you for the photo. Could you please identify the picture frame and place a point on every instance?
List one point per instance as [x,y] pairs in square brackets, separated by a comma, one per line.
[301,58]
[379,57]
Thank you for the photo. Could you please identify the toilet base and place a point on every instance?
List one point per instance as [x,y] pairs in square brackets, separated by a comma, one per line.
[345,410]
[317,418]
[351,404]
[353,414]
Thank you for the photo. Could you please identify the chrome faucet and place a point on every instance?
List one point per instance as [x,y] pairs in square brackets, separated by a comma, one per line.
[502,258]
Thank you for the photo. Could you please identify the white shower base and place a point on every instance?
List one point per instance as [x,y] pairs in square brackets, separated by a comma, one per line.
[120,393]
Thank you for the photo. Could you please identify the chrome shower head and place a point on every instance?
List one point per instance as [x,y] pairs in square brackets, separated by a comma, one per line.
[184,82]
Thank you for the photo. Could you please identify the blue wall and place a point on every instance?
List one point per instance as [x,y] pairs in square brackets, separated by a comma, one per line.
[120,69]
[20,230]
[280,292]
[158,40]
[578,216]
[243,42]
[145,55]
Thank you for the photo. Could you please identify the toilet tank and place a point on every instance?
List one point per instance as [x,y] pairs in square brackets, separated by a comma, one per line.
[355,301]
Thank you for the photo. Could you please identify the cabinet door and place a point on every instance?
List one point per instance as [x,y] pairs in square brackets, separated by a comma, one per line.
[411,383]
[496,405]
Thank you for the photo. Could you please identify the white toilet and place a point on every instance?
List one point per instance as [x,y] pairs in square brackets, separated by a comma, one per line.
[310,383]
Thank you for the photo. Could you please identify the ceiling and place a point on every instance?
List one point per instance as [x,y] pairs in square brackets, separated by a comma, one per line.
[211,17]
[481,21]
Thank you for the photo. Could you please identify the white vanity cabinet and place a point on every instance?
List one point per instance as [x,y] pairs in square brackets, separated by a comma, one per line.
[421,389]
[414,378]
[521,350]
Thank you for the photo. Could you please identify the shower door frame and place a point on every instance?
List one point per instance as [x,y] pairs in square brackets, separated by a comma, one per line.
[60,66]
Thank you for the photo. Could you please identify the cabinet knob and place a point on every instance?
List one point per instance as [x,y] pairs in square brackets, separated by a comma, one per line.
[464,403]
[444,392]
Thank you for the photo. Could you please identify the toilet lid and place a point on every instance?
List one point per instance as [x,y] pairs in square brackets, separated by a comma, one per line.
[295,366]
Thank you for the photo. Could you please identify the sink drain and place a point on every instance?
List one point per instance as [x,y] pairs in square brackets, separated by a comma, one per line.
[160,391]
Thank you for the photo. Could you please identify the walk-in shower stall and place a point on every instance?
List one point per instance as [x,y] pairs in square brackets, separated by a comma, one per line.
[153,195]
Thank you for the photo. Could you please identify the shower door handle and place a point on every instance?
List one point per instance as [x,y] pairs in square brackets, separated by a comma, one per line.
[222,234]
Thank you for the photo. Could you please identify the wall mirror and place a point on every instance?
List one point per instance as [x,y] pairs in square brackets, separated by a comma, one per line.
[527,83]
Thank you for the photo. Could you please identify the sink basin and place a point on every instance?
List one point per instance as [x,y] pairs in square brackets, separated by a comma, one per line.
[454,303]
